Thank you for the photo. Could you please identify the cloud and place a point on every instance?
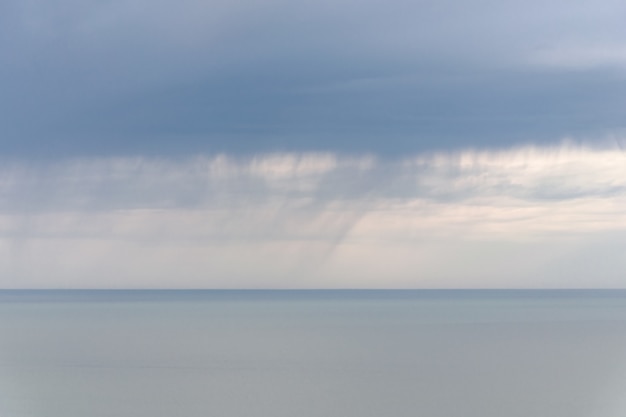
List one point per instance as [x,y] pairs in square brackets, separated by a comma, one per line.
[315,220]
[582,57]
[137,77]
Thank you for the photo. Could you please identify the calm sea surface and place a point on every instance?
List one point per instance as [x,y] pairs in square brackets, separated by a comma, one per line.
[312,353]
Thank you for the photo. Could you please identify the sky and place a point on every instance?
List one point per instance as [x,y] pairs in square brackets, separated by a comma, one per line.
[301,144]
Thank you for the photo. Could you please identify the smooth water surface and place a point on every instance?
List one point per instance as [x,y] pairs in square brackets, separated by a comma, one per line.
[312,353]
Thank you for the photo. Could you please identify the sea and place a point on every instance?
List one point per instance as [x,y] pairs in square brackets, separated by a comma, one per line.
[313,353]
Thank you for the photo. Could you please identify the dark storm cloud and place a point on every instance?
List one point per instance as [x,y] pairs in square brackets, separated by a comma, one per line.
[142,77]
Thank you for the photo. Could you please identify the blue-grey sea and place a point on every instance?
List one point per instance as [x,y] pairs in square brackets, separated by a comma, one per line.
[312,353]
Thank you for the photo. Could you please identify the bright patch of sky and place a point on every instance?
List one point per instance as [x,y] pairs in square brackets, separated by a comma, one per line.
[522,217]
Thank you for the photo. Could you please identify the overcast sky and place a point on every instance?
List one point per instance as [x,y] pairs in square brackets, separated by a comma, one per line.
[299,144]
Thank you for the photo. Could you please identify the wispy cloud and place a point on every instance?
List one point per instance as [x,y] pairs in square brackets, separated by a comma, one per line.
[581,57]
[329,219]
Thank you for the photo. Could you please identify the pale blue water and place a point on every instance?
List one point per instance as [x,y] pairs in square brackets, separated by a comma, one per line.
[313,353]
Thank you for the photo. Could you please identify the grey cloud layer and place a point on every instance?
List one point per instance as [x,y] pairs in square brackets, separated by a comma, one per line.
[157,77]
[532,174]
